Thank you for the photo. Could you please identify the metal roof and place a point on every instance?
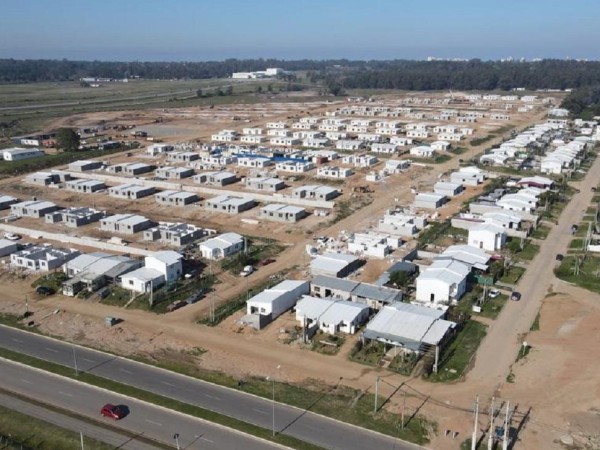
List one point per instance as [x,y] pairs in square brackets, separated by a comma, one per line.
[332,262]
[405,324]
[339,284]
[329,311]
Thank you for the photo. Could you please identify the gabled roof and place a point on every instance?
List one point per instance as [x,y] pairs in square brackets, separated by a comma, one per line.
[407,324]
[167,256]
[329,311]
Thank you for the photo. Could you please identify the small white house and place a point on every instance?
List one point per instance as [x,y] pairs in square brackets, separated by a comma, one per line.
[334,172]
[448,189]
[275,301]
[442,282]
[487,236]
[440,146]
[221,246]
[422,151]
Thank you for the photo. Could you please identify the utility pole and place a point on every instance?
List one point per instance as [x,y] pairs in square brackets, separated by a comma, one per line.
[491,432]
[403,407]
[176,437]
[81,440]
[505,436]
[474,436]
[376,394]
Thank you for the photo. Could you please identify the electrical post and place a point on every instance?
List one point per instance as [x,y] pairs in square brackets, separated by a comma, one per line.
[75,361]
[81,440]
[403,407]
[505,436]
[491,432]
[376,394]
[474,436]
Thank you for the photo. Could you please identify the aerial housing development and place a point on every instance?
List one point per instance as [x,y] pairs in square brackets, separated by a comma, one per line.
[271,253]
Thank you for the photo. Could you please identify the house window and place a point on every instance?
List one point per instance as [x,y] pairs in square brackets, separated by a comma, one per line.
[432,298]
[130,282]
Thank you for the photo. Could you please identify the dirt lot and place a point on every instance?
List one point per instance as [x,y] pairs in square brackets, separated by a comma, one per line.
[243,352]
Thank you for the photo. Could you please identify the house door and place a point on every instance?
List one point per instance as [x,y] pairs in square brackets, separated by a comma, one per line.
[432,298]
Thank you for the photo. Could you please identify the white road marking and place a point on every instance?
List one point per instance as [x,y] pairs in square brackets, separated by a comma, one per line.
[126,371]
[207,440]
[17,340]
[65,393]
[259,411]
[212,396]
[26,381]
[167,383]
[154,423]
[89,360]
[51,349]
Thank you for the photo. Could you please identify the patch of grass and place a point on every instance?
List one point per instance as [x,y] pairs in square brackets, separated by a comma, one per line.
[258,249]
[481,140]
[52,280]
[457,357]
[541,232]
[27,432]
[588,276]
[512,275]
[432,232]
[438,159]
[346,208]
[576,244]
[457,150]
[327,344]
[523,352]
[490,308]
[535,326]
[157,400]
[529,251]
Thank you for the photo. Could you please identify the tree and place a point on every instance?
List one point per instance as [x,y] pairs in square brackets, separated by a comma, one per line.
[199,93]
[399,278]
[229,90]
[259,89]
[67,140]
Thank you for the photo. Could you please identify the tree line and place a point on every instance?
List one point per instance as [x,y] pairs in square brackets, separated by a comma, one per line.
[343,74]
[583,102]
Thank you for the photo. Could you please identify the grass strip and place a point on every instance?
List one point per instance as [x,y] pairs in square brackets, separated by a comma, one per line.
[156,399]
[21,431]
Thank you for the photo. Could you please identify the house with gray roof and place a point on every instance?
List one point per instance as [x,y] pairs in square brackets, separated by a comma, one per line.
[174,173]
[372,295]
[84,186]
[338,265]
[33,208]
[130,191]
[75,217]
[125,223]
[176,234]
[282,213]
[228,204]
[176,198]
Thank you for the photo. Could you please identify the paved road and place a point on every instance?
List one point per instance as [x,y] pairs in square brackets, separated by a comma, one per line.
[299,423]
[116,439]
[151,421]
[500,347]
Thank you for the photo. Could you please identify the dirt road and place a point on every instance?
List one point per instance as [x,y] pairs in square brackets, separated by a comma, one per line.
[501,345]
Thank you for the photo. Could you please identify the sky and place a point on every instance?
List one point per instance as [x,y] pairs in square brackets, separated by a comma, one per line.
[200,30]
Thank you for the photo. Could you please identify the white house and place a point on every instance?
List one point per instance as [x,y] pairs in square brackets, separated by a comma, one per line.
[422,151]
[159,268]
[384,148]
[429,200]
[442,282]
[334,172]
[360,160]
[440,146]
[273,302]
[221,246]
[447,188]
[487,236]
[396,166]
[18,154]
[373,244]
[349,144]
[331,316]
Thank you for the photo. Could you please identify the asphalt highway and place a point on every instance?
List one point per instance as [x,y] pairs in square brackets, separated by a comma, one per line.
[302,424]
[153,422]
[114,438]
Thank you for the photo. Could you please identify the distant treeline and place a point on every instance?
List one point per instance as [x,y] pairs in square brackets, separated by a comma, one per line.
[397,74]
[584,102]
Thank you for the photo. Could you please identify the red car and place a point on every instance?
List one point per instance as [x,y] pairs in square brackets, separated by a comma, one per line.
[112,411]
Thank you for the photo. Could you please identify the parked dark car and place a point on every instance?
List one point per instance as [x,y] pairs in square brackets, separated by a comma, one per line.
[44,290]
[560,257]
[515,296]
[113,411]
[266,262]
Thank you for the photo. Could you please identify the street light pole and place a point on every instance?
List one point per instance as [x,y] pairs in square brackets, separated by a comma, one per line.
[176,437]
[273,406]
[376,394]
[75,360]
